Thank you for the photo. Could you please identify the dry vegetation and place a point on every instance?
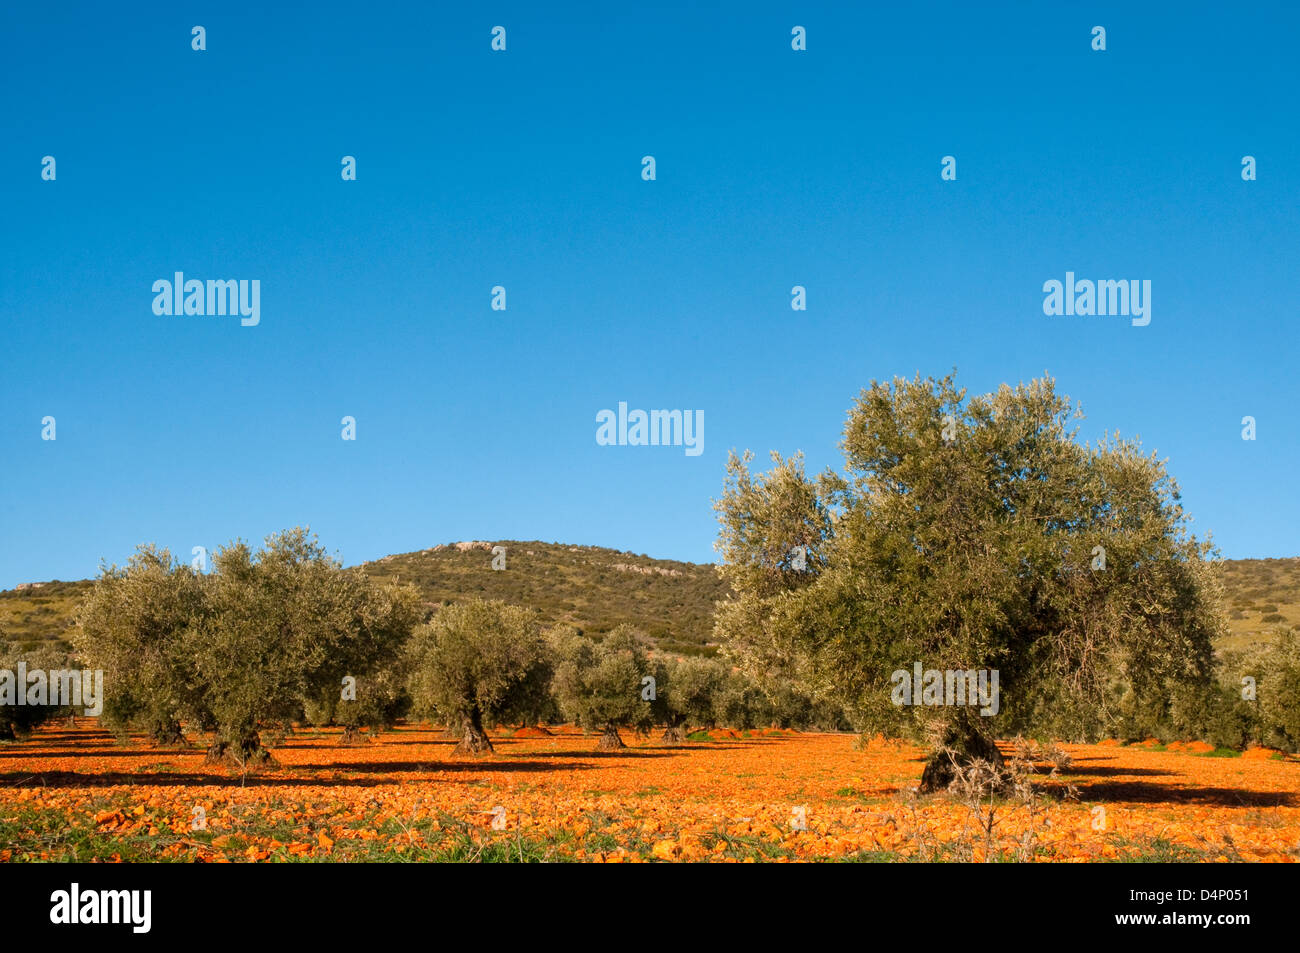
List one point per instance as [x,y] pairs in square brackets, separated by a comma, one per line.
[1260,595]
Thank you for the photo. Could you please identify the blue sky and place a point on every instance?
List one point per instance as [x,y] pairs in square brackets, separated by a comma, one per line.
[774,168]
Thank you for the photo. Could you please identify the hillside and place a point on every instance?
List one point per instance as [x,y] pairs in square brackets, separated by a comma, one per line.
[594,588]
[591,587]
[597,589]
[1259,594]
[45,611]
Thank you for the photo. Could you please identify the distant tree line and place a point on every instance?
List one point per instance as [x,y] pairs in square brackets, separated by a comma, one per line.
[17,718]
[287,635]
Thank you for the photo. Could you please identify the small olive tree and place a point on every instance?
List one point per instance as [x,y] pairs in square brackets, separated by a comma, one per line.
[600,685]
[375,701]
[1279,692]
[739,703]
[474,661]
[688,690]
[36,707]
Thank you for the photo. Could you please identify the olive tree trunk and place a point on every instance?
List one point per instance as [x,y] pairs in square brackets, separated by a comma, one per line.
[352,736]
[473,739]
[244,752]
[675,732]
[168,734]
[610,740]
[962,745]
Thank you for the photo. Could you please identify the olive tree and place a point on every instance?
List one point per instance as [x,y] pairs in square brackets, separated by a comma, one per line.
[965,537]
[375,701]
[1279,692]
[599,684]
[132,626]
[280,624]
[235,649]
[688,690]
[474,661]
[29,701]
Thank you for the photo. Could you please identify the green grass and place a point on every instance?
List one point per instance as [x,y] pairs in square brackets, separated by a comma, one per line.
[871,857]
[1158,850]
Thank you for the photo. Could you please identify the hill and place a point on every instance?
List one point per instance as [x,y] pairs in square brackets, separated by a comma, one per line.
[1258,595]
[40,611]
[596,589]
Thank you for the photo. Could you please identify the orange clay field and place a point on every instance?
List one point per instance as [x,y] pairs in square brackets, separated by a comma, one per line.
[72,793]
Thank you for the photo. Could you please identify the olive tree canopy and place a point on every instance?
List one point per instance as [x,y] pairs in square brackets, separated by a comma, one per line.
[965,536]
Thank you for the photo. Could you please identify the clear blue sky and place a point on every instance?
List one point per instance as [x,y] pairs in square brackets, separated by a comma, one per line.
[522,169]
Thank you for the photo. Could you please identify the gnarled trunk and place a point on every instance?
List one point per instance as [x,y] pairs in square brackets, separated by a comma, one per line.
[473,739]
[610,739]
[244,753]
[960,746]
[675,732]
[352,736]
[168,734]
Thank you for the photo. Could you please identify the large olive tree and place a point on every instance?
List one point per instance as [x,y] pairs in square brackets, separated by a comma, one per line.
[969,535]
[240,647]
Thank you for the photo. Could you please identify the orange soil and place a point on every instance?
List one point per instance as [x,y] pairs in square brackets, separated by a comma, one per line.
[532,731]
[678,798]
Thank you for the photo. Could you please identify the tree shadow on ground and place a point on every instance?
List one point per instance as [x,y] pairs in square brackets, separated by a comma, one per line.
[1143,792]
[466,765]
[158,753]
[382,740]
[147,779]
[596,753]
[1074,771]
